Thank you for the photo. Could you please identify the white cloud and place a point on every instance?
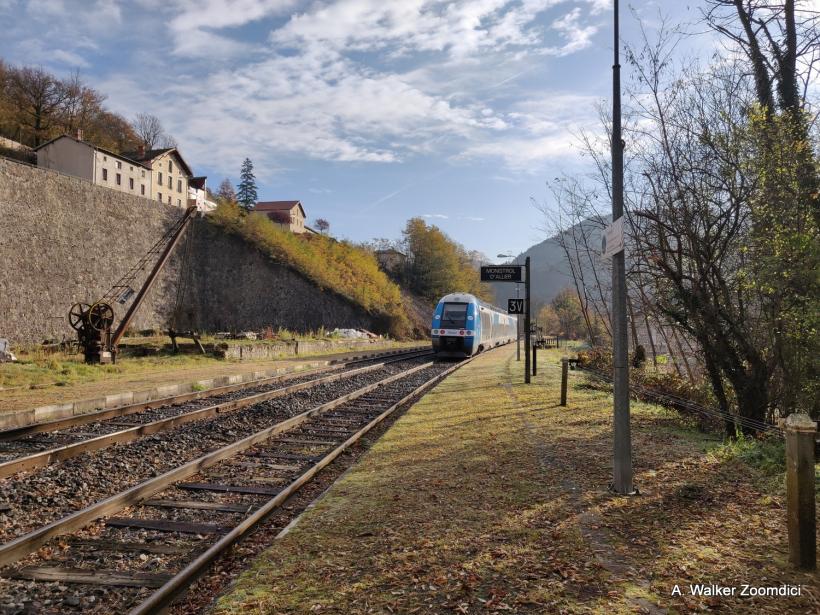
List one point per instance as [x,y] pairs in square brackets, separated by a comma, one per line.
[69,57]
[317,105]
[461,28]
[196,22]
[325,85]
[438,216]
[576,35]
[543,129]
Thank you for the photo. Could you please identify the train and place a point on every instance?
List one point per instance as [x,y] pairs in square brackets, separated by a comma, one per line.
[464,325]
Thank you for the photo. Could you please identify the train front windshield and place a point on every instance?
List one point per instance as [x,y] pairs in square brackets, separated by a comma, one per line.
[454,316]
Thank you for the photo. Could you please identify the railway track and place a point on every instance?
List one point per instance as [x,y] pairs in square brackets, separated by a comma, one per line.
[38,445]
[33,499]
[140,548]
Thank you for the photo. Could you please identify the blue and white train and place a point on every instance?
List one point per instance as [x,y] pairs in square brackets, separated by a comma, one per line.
[463,325]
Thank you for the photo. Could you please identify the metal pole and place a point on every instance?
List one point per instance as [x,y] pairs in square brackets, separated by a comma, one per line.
[527,321]
[622,463]
[517,328]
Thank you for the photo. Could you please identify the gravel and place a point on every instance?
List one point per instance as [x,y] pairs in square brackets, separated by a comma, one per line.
[80,481]
[49,493]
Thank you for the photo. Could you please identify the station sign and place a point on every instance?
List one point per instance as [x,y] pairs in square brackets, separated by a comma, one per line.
[515,306]
[502,273]
[612,240]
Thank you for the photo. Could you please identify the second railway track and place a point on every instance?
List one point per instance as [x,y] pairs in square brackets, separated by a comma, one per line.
[38,445]
[32,499]
[169,528]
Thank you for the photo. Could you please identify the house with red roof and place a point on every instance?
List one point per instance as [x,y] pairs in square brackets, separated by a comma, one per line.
[289,215]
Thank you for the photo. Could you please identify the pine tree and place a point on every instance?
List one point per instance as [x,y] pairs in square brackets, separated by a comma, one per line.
[246,193]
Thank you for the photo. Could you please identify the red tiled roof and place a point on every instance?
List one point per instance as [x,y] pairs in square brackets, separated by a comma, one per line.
[267,207]
[275,205]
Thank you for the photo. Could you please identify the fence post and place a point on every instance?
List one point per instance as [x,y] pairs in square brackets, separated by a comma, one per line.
[564,366]
[534,356]
[800,433]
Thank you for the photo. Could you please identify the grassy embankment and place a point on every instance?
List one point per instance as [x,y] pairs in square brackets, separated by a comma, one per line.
[340,266]
[40,378]
[487,496]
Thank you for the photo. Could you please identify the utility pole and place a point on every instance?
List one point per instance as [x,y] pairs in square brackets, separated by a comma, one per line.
[622,462]
[527,374]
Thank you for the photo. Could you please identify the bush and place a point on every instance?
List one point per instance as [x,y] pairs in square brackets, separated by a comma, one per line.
[657,385]
[767,454]
[348,270]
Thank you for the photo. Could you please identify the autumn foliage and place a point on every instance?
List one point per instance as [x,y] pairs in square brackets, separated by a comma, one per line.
[439,265]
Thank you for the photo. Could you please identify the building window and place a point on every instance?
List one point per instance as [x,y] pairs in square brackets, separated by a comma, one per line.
[179,203]
[159,178]
[143,173]
[130,168]
[105,175]
[159,196]
[119,164]
[170,183]
[142,189]
[179,185]
[170,167]
[105,158]
[119,179]
[169,199]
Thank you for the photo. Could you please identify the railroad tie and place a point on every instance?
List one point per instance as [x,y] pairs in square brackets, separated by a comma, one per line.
[96,545]
[196,505]
[251,489]
[286,456]
[164,525]
[304,441]
[90,577]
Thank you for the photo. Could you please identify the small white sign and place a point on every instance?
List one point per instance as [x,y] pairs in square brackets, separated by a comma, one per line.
[612,241]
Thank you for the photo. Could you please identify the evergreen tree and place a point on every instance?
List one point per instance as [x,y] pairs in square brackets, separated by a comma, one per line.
[246,194]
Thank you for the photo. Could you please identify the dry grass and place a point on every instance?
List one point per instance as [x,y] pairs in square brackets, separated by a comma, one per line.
[43,378]
[487,496]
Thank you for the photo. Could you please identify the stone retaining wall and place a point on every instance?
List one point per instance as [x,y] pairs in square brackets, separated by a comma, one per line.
[64,240]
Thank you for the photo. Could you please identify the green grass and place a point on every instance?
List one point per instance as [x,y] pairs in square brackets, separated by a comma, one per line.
[36,369]
[766,454]
[39,369]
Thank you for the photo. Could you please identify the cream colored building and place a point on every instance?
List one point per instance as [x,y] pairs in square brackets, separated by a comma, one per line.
[73,156]
[289,215]
[171,174]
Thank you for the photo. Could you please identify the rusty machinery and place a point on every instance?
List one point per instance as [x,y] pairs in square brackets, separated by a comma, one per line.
[94,322]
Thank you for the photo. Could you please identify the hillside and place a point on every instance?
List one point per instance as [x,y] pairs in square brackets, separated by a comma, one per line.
[347,270]
[550,270]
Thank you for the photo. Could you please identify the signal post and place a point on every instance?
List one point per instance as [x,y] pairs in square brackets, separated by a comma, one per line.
[515,274]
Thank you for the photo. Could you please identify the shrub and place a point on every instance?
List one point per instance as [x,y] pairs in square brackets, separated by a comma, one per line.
[767,454]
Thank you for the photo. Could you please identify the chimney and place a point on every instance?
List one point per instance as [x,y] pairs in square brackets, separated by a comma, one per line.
[141,151]
[79,134]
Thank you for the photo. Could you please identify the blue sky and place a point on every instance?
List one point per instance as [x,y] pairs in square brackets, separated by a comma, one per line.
[368,111]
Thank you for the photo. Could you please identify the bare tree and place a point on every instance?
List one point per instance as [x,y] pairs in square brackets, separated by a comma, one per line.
[226,192]
[40,97]
[322,225]
[149,130]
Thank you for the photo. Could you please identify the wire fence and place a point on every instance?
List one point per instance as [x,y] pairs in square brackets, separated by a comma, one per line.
[681,403]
